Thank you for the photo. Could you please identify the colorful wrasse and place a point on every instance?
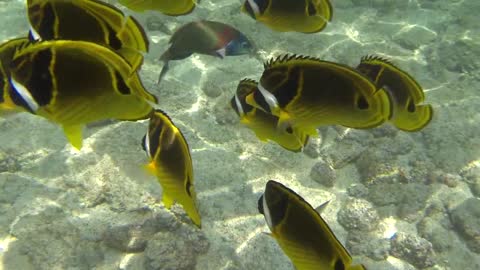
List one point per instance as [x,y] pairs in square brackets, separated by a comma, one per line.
[205,37]
[264,124]
[306,93]
[73,83]
[408,112]
[88,20]
[301,232]
[306,16]
[167,7]
[7,50]
[171,162]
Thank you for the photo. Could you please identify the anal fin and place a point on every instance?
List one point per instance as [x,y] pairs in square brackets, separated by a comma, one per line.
[74,135]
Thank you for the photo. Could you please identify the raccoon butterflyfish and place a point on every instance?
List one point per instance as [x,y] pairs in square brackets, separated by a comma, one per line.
[73,83]
[205,37]
[301,232]
[305,16]
[264,124]
[306,93]
[171,162]
[7,50]
[167,7]
[88,20]
[408,112]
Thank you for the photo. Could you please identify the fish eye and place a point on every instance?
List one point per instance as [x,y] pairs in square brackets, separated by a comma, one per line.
[289,130]
[339,265]
[411,106]
[362,103]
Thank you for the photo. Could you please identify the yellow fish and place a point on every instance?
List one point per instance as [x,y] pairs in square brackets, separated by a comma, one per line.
[263,124]
[305,16]
[88,20]
[306,93]
[7,50]
[73,83]
[167,7]
[408,112]
[171,162]
[301,232]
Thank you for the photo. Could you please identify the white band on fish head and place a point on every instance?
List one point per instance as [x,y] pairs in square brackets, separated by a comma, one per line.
[239,106]
[255,8]
[269,97]
[266,212]
[26,96]
[34,33]
[147,144]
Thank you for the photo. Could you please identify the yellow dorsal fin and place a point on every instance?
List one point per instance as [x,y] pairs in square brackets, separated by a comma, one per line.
[288,59]
[376,60]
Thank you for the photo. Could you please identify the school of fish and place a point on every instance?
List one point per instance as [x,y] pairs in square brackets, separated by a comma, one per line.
[79,62]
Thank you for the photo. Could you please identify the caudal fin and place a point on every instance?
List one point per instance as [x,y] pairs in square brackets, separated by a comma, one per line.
[165,68]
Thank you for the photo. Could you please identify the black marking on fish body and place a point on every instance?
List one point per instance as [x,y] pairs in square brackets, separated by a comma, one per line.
[277,203]
[113,40]
[249,10]
[262,5]
[339,265]
[411,106]
[188,185]
[3,83]
[260,205]
[154,132]
[260,100]
[46,29]
[362,103]
[372,72]
[40,82]
[144,143]
[120,84]
[311,9]
[291,88]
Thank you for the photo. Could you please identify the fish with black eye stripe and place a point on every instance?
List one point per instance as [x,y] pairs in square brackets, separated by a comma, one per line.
[306,93]
[305,16]
[73,83]
[301,232]
[264,124]
[171,163]
[407,96]
[88,20]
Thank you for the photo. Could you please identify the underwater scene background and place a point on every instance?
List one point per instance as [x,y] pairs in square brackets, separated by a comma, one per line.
[397,200]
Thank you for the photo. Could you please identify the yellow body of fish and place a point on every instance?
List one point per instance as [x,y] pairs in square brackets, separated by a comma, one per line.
[306,93]
[7,50]
[306,16]
[168,7]
[301,232]
[73,83]
[408,112]
[88,20]
[171,162]
[263,124]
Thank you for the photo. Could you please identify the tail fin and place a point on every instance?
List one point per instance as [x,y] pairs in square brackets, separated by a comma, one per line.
[165,68]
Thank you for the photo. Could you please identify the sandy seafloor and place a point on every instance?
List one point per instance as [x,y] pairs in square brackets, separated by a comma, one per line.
[399,200]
